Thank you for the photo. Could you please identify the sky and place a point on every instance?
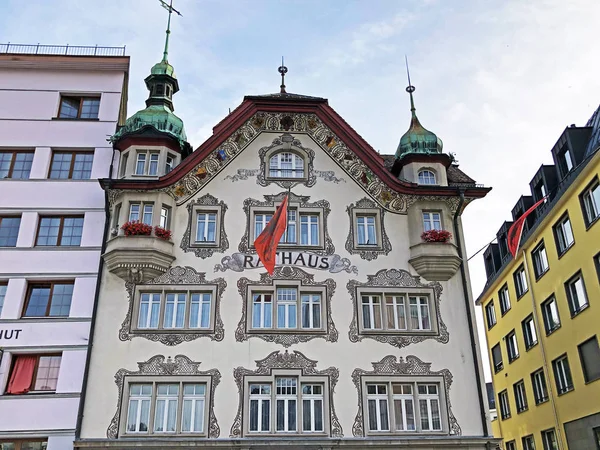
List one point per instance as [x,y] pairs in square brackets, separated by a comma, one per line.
[497,81]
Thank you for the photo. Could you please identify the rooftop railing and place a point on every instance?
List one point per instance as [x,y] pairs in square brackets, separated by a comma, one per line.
[61,50]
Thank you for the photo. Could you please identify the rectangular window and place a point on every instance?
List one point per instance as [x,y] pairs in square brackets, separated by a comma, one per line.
[311,311]
[36,444]
[312,408]
[490,314]
[540,261]
[262,310]
[565,160]
[529,332]
[540,391]
[511,445]
[71,165]
[123,166]
[504,405]
[60,231]
[511,346]
[309,229]
[286,409]
[550,314]
[590,203]
[181,309]
[169,164]
[549,440]
[260,408]
[72,107]
[563,234]
[166,408]
[292,307]
[404,409]
[3,288]
[520,281]
[520,396]
[576,294]
[9,231]
[165,217]
[147,163]
[528,443]
[562,375]
[287,302]
[504,297]
[432,221]
[33,373]
[15,164]
[140,166]
[141,212]
[366,229]
[589,355]
[497,358]
[153,164]
[303,227]
[206,227]
[51,299]
[400,312]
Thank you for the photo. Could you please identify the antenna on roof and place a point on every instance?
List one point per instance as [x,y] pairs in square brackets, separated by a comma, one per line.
[282,70]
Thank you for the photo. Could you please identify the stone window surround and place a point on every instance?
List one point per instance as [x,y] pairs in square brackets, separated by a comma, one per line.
[367,207]
[406,293]
[287,362]
[398,379]
[427,169]
[210,204]
[302,379]
[286,276]
[166,289]
[177,277]
[286,143]
[130,157]
[128,380]
[397,281]
[294,151]
[391,368]
[160,368]
[302,205]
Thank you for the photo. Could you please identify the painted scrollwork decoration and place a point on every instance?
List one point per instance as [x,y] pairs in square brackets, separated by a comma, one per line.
[383,246]
[156,366]
[391,366]
[201,250]
[279,360]
[286,143]
[302,201]
[396,278]
[173,336]
[288,338]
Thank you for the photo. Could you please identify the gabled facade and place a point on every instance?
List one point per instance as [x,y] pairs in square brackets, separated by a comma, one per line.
[541,308]
[363,335]
[56,110]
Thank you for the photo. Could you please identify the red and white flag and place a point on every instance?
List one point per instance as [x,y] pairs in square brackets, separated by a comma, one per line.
[266,243]
[516,229]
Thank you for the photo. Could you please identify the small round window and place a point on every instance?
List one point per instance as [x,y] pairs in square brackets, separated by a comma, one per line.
[286,165]
[426,177]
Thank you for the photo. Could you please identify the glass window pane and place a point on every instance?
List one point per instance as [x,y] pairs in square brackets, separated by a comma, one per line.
[9,231]
[90,108]
[61,165]
[69,107]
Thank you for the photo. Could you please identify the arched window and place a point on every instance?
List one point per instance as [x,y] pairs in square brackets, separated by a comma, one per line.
[426,177]
[286,165]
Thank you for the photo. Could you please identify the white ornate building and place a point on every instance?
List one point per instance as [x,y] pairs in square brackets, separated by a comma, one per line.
[363,336]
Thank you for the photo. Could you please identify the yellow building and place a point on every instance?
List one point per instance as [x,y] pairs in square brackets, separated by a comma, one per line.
[542,308]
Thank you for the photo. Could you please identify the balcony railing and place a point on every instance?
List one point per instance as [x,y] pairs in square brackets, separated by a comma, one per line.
[61,50]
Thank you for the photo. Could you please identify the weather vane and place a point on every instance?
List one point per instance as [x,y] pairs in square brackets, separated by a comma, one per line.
[168,7]
[282,70]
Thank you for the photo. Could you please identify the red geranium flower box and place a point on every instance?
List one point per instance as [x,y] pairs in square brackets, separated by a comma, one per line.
[136,228]
[436,236]
[162,233]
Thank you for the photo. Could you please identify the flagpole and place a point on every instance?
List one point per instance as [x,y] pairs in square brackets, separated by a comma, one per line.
[542,349]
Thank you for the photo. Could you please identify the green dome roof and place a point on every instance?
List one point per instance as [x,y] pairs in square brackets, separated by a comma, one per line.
[163,68]
[160,117]
[418,140]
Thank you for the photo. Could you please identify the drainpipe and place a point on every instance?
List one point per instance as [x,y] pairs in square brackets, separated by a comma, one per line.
[93,321]
[484,423]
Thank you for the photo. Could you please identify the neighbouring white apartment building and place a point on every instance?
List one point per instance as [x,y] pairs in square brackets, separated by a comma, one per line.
[57,107]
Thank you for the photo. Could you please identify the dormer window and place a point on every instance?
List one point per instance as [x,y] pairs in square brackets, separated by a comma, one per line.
[286,165]
[427,177]
[565,160]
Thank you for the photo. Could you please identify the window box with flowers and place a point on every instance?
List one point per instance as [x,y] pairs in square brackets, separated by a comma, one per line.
[436,257]
[136,228]
[162,233]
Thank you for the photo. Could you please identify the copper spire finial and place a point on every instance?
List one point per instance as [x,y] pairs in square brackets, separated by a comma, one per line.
[410,88]
[168,7]
[282,70]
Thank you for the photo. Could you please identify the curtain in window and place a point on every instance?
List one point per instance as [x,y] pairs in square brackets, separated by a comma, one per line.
[22,375]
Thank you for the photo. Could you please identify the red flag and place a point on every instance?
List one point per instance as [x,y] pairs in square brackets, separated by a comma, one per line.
[266,243]
[516,229]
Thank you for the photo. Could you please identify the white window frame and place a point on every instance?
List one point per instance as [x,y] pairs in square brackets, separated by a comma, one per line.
[550,311]
[197,210]
[261,398]
[287,300]
[362,222]
[540,261]
[540,388]
[490,314]
[313,300]
[512,348]
[149,159]
[297,167]
[504,299]
[427,177]
[576,294]
[504,403]
[528,442]
[165,217]
[292,384]
[389,397]
[529,332]
[260,299]
[590,202]
[194,398]
[138,399]
[560,374]
[298,218]
[520,396]
[159,296]
[564,235]
[169,163]
[520,282]
[168,399]
[144,209]
[432,220]
[549,443]
[372,301]
[313,398]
